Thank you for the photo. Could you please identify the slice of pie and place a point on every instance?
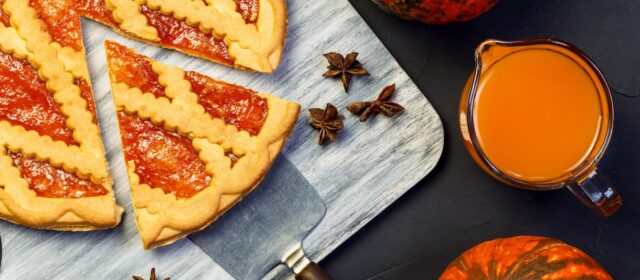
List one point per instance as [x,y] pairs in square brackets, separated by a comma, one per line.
[193,145]
[53,171]
[242,33]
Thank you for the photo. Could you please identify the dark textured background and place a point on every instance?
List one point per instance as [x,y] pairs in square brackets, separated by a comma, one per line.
[459,206]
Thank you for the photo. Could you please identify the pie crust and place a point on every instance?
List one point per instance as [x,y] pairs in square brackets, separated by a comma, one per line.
[26,38]
[163,218]
[255,45]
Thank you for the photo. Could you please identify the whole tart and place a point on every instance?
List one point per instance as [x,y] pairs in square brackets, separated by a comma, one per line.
[247,34]
[193,145]
[53,170]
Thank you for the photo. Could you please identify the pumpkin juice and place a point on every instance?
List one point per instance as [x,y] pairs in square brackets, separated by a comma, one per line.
[538,114]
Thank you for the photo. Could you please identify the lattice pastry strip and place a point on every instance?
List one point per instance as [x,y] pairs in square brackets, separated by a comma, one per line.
[65,92]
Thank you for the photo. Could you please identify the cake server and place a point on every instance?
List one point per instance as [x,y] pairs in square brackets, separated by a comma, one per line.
[267,227]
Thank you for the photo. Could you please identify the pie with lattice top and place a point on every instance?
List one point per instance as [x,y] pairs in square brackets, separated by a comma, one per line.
[53,171]
[193,145]
[241,33]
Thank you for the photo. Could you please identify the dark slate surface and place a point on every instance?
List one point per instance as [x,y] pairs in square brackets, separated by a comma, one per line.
[458,205]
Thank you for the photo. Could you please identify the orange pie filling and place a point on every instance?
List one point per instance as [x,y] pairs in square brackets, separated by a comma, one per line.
[162,159]
[248,9]
[133,69]
[4,18]
[237,106]
[61,21]
[165,159]
[25,101]
[97,10]
[49,181]
[177,33]
[87,94]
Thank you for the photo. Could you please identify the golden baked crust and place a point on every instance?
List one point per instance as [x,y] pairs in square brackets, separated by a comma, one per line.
[256,46]
[57,66]
[164,218]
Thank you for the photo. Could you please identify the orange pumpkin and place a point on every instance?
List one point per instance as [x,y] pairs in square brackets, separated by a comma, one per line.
[524,258]
[437,11]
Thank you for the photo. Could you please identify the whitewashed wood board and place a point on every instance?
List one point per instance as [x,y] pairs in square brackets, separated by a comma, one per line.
[368,168]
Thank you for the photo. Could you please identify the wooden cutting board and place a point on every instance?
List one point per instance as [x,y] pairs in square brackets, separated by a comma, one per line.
[368,168]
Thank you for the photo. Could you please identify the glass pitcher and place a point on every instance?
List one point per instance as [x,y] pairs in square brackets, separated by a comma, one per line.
[583,179]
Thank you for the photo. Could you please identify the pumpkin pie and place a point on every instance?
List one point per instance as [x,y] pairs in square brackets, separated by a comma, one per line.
[53,171]
[193,145]
[246,34]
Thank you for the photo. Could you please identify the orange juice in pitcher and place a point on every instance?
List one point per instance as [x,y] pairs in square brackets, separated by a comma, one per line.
[538,115]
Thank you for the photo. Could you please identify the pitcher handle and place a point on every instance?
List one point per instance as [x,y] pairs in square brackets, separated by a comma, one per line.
[597,193]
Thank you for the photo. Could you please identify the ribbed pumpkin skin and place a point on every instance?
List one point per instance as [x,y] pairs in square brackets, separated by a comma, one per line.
[524,258]
[437,11]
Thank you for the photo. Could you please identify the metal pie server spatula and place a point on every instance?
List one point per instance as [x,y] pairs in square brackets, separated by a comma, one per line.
[266,228]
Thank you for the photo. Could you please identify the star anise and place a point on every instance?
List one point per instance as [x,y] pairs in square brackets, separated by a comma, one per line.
[152,276]
[344,67]
[327,121]
[382,105]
